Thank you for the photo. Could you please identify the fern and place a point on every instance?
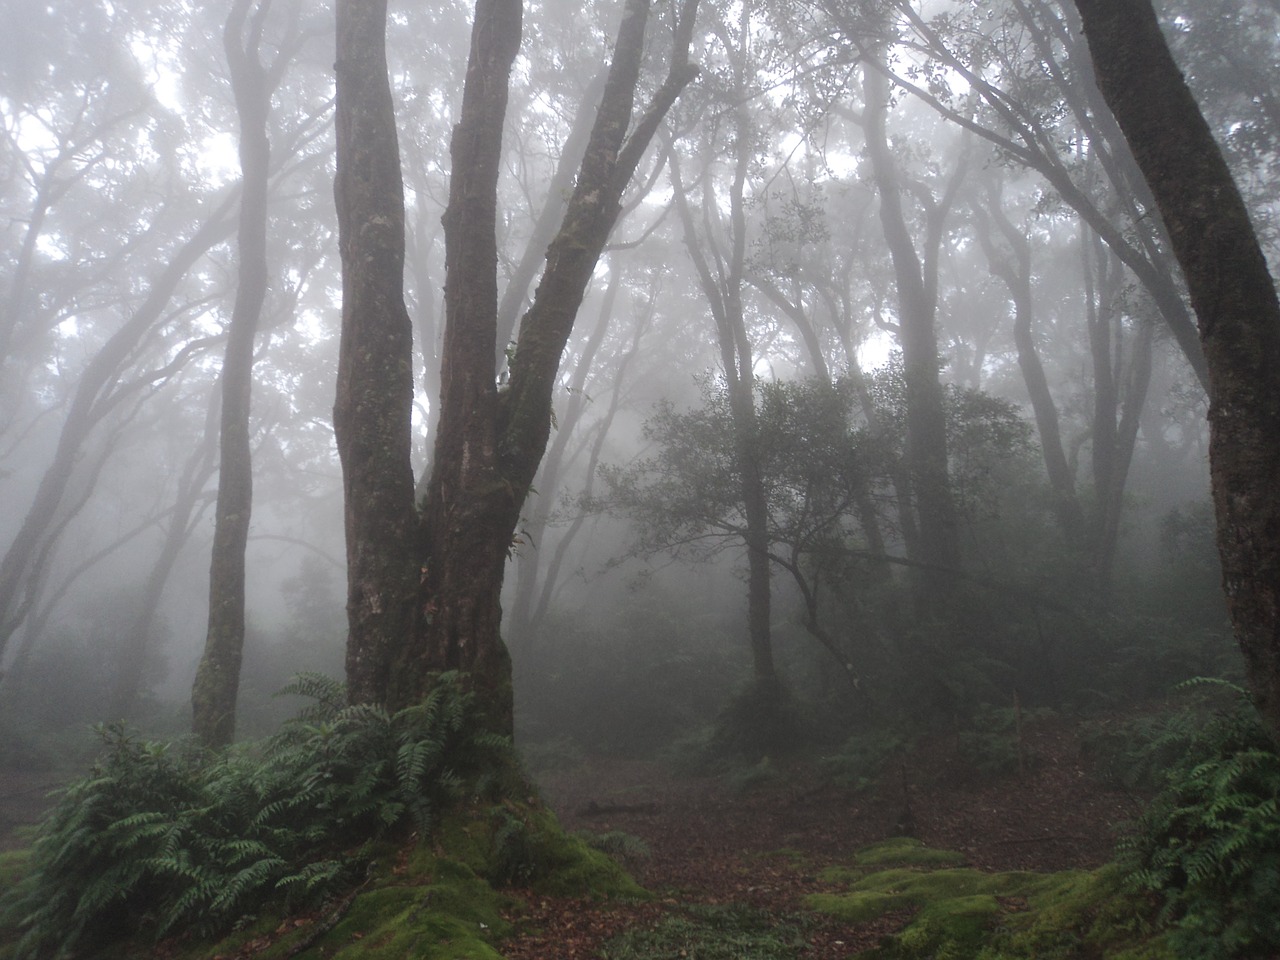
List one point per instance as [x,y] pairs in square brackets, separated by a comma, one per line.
[1209,844]
[164,837]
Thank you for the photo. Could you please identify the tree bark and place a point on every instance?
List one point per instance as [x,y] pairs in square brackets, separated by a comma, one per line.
[371,415]
[1238,311]
[213,694]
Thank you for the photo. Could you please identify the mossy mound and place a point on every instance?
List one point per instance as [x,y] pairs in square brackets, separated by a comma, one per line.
[443,900]
[967,914]
[713,932]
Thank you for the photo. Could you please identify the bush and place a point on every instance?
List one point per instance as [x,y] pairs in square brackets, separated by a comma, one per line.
[160,837]
[1209,844]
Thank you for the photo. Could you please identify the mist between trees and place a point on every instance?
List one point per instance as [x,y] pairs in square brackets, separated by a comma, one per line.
[885,402]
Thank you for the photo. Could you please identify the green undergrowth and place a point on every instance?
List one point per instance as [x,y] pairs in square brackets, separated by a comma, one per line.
[720,932]
[379,834]
[444,898]
[960,913]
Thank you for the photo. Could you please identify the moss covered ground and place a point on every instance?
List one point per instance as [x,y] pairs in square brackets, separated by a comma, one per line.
[960,913]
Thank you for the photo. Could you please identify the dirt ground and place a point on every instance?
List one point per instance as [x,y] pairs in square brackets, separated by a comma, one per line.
[766,847]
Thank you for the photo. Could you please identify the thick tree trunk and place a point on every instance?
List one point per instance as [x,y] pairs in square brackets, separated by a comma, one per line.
[213,695]
[1235,301]
[371,415]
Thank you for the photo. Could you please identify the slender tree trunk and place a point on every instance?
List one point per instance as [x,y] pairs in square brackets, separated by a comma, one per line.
[724,298]
[533,530]
[1016,274]
[213,694]
[1235,301]
[92,399]
[187,508]
[938,536]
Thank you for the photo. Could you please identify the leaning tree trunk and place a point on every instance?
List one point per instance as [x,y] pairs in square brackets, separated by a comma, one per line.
[213,695]
[1235,301]
[424,595]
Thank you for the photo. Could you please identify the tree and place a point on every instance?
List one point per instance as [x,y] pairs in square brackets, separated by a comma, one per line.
[213,695]
[718,252]
[1236,305]
[423,583]
[937,541]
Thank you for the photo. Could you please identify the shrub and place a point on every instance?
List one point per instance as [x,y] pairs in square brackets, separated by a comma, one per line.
[160,837]
[1209,844]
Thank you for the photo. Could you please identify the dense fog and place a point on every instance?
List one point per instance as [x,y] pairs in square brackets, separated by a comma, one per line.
[887,299]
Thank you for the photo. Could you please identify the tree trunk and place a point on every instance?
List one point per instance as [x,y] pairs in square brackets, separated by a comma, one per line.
[424,596]
[371,414]
[187,510]
[1235,302]
[1016,274]
[92,399]
[213,694]
[926,453]
[723,290]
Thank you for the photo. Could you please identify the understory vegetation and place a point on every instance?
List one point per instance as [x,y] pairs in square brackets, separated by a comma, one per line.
[161,839]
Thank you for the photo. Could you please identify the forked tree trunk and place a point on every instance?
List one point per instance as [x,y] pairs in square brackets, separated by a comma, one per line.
[1235,301]
[424,592]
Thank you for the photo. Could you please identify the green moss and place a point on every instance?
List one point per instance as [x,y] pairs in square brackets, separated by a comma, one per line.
[721,932]
[566,865]
[905,852]
[1081,914]
[966,914]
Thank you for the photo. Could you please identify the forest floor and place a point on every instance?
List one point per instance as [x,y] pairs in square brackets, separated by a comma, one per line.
[766,847]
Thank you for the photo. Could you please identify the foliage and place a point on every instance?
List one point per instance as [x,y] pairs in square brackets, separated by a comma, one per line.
[993,744]
[1209,843]
[861,759]
[161,837]
[728,932]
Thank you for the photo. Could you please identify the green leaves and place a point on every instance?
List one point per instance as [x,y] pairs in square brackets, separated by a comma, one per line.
[1209,845]
[163,838]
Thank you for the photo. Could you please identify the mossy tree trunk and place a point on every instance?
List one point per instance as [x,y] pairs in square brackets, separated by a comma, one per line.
[424,585]
[1238,311]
